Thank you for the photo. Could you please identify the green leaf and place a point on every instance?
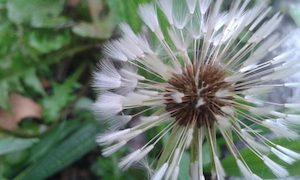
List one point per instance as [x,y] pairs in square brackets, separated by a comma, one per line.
[4,94]
[50,22]
[169,146]
[18,62]
[100,30]
[48,141]
[33,81]
[2,2]
[184,167]
[15,158]
[126,11]
[52,139]
[11,163]
[45,42]
[295,14]
[25,11]
[7,37]
[206,156]
[83,104]
[62,95]
[70,150]
[10,145]
[106,169]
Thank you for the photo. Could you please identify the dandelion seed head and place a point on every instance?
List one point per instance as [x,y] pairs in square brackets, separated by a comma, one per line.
[214,69]
[199,104]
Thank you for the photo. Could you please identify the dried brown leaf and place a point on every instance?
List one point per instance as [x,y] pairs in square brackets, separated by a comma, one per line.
[73,3]
[21,108]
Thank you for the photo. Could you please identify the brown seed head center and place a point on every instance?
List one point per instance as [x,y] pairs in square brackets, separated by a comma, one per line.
[196,97]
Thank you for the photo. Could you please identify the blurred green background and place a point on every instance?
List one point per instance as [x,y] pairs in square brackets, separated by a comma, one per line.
[48,50]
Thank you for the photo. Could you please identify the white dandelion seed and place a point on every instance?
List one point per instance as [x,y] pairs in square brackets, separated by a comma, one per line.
[210,79]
